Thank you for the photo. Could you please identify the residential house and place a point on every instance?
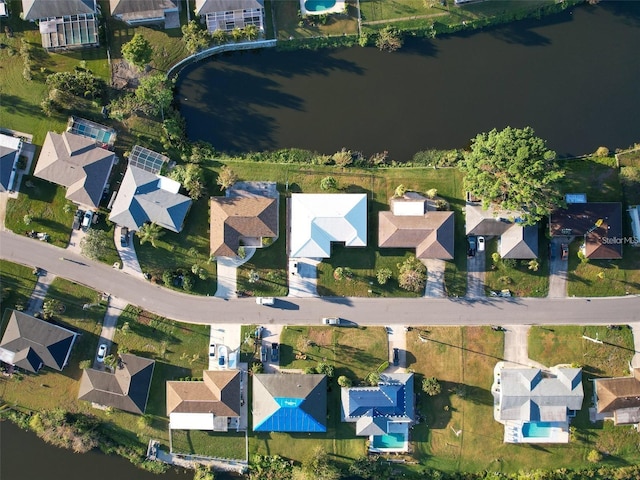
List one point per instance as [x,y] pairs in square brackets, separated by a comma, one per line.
[413,222]
[104,136]
[618,399]
[292,402]
[383,413]
[515,239]
[534,405]
[30,343]
[78,163]
[599,223]
[10,149]
[213,404]
[317,220]
[145,12]
[148,197]
[64,23]
[226,15]
[634,213]
[247,215]
[127,388]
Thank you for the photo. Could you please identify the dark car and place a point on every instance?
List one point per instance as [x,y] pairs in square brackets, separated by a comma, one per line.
[263,354]
[77,219]
[565,251]
[274,352]
[473,246]
[396,357]
[124,237]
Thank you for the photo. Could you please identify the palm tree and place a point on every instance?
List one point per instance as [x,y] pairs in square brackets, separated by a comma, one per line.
[251,32]
[150,232]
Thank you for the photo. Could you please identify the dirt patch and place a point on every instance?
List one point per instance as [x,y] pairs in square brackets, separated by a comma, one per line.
[123,75]
[321,337]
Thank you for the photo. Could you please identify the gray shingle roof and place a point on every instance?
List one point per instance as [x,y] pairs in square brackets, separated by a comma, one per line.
[528,394]
[36,9]
[33,343]
[127,389]
[140,9]
[147,197]
[75,162]
[210,6]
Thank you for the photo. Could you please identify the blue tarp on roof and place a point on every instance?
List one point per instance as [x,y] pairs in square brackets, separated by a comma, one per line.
[290,417]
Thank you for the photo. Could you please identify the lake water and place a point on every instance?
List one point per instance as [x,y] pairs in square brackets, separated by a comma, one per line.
[573,77]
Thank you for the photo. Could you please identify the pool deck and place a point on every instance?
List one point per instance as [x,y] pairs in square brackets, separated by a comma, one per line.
[339,7]
[513,434]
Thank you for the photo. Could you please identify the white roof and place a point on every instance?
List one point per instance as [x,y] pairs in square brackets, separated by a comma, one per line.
[7,141]
[191,421]
[319,219]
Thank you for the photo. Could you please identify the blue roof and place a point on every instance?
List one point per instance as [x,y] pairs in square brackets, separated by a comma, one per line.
[290,417]
[384,400]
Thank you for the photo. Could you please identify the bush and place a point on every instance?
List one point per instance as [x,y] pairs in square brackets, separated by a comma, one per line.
[344,381]
[383,275]
[431,386]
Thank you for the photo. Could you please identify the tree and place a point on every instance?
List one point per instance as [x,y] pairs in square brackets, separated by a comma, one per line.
[343,158]
[95,244]
[400,191]
[344,381]
[432,193]
[534,265]
[338,273]
[150,232]
[328,183]
[137,51]
[383,275]
[594,456]
[325,369]
[373,379]
[219,36]
[317,467]
[187,282]
[515,170]
[251,32]
[84,364]
[389,39]
[191,176]
[237,34]
[226,178]
[413,275]
[155,94]
[203,472]
[267,467]
[111,361]
[195,37]
[431,386]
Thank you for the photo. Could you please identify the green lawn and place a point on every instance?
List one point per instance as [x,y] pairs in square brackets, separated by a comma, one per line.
[230,445]
[17,283]
[354,352]
[288,22]
[522,281]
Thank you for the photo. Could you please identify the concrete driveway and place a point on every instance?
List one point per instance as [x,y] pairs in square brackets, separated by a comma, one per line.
[303,277]
[557,270]
[397,335]
[435,278]
[227,334]
[516,346]
[475,275]
[271,335]
[128,257]
[227,273]
[115,306]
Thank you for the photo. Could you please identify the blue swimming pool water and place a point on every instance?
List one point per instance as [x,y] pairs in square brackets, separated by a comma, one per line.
[390,440]
[537,430]
[319,5]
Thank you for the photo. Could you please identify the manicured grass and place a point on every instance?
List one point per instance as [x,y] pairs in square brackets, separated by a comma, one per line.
[288,22]
[595,176]
[210,444]
[17,283]
[520,280]
[44,202]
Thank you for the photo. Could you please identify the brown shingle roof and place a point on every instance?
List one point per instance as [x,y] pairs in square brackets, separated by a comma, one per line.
[219,394]
[237,217]
[618,393]
[580,219]
[430,234]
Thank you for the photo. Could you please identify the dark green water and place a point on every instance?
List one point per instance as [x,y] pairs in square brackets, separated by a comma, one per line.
[574,77]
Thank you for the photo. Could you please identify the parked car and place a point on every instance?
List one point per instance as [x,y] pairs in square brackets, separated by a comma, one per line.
[396,357]
[86,220]
[212,350]
[331,320]
[274,352]
[124,237]
[263,354]
[481,244]
[102,352]
[473,246]
[265,300]
[77,219]
[222,356]
[565,251]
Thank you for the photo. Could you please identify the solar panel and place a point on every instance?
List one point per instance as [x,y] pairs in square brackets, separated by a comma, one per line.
[147,159]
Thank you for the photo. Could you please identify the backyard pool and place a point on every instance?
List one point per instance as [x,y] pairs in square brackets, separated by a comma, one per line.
[319,6]
[537,429]
[390,440]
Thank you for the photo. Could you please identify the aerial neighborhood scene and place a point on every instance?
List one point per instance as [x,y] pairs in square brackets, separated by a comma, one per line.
[319,239]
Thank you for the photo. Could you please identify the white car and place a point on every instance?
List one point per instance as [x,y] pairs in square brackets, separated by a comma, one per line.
[265,300]
[331,321]
[481,244]
[102,352]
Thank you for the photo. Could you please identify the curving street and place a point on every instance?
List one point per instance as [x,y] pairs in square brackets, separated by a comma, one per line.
[363,311]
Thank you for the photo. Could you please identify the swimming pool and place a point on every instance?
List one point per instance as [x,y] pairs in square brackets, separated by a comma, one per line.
[390,440]
[318,6]
[537,429]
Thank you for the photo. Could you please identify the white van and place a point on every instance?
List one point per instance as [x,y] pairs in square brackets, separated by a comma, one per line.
[265,300]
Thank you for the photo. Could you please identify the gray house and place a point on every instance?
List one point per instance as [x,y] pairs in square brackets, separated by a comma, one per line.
[127,389]
[226,15]
[64,23]
[10,148]
[536,405]
[148,197]
[30,343]
[144,12]
[515,239]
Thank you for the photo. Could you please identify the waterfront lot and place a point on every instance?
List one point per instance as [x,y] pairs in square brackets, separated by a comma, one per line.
[231,445]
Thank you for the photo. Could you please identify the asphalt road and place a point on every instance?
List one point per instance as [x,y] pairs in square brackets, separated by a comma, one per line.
[362,311]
